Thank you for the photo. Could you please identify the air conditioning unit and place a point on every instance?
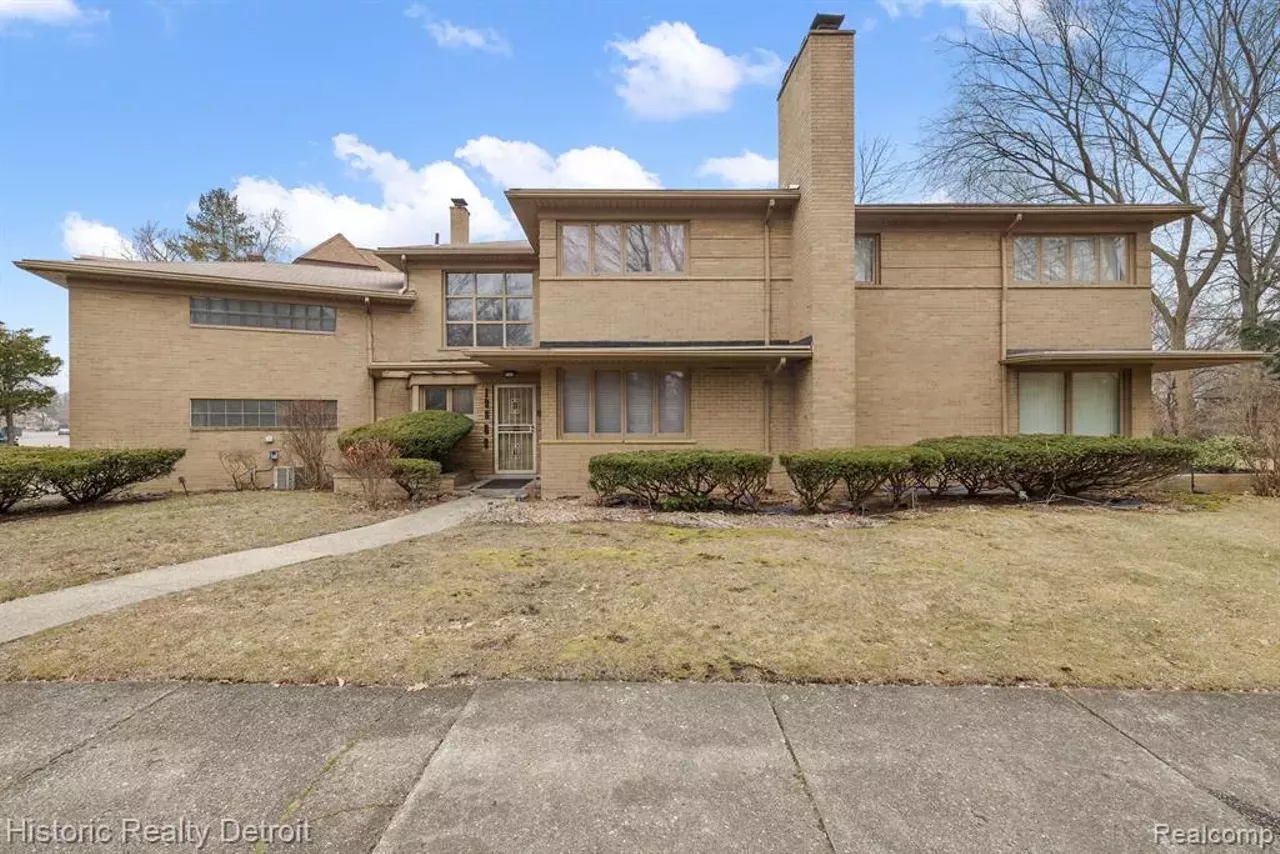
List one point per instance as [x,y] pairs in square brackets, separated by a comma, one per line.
[282,477]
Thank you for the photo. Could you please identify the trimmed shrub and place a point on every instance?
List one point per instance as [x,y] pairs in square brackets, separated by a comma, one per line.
[863,471]
[1222,454]
[82,477]
[427,435]
[681,479]
[1042,465]
[20,477]
[419,478]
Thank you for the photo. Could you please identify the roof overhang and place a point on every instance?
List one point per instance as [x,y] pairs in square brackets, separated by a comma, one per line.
[1027,217]
[502,358]
[58,272]
[400,256]
[1157,360]
[530,205]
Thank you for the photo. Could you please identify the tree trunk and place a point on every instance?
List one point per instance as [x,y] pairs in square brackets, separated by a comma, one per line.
[9,437]
[1183,419]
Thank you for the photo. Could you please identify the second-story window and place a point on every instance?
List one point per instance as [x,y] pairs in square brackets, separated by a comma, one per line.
[865,248]
[1075,258]
[488,310]
[622,248]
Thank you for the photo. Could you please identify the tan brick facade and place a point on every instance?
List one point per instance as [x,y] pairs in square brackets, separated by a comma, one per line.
[914,353]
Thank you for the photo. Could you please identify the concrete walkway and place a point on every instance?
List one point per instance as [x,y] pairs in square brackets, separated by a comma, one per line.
[31,614]
[640,767]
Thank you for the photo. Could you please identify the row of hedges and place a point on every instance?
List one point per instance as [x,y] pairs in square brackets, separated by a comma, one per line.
[682,480]
[429,435]
[1034,466]
[81,477]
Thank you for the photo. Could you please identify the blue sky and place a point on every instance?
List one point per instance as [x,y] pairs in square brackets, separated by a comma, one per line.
[365,116]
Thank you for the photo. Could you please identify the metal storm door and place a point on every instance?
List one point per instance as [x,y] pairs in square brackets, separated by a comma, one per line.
[514,418]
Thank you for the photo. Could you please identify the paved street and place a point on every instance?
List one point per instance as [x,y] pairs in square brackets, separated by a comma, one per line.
[613,767]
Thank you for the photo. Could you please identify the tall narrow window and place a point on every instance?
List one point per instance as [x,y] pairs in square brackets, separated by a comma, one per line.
[1026,259]
[573,250]
[1114,252]
[864,258]
[671,402]
[1055,259]
[1084,261]
[670,248]
[1041,398]
[639,402]
[608,408]
[607,257]
[1095,404]
[575,405]
[639,251]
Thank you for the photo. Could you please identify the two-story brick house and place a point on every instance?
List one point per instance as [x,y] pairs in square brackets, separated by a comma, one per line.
[771,320]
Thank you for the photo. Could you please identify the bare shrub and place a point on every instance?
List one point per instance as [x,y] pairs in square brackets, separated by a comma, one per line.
[1255,405]
[307,424]
[372,463]
[241,467]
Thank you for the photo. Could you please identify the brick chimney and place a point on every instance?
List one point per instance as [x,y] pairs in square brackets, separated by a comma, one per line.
[815,153]
[459,222]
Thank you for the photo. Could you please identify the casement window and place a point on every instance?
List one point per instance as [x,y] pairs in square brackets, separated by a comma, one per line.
[255,314]
[461,399]
[623,403]
[1076,258]
[866,250]
[1082,403]
[488,310]
[256,413]
[622,248]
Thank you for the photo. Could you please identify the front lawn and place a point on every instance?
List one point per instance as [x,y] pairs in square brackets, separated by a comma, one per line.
[971,594]
[42,550]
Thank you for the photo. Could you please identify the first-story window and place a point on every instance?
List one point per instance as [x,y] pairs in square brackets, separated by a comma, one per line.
[460,399]
[238,412]
[1082,403]
[618,403]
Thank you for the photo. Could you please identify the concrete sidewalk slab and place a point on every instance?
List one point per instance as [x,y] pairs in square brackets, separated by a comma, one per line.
[610,767]
[980,769]
[26,616]
[1228,743]
[341,760]
[41,722]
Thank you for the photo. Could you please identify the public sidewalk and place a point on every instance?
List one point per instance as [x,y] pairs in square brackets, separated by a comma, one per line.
[31,614]
[583,766]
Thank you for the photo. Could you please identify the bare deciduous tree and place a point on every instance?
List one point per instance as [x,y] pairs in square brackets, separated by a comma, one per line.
[881,176]
[153,242]
[1122,101]
[273,236]
[307,425]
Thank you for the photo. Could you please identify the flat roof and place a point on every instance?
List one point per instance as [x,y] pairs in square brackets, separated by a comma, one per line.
[497,249]
[1159,360]
[1027,217]
[311,279]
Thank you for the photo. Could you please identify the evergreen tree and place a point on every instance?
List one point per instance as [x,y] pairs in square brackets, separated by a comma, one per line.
[219,231]
[24,361]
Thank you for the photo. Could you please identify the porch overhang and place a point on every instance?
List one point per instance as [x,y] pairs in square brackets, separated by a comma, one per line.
[683,353]
[1158,360]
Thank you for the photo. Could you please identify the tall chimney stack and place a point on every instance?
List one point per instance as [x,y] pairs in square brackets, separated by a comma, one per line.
[459,222]
[815,153]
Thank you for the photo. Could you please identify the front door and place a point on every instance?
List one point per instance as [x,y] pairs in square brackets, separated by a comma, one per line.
[514,428]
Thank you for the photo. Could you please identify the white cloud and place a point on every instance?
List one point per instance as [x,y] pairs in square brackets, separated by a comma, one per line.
[672,73]
[523,164]
[748,169]
[82,236]
[414,203]
[450,35]
[976,11]
[52,12]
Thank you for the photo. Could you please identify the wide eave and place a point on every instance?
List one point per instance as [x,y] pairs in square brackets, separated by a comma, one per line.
[690,353]
[1019,217]
[1157,360]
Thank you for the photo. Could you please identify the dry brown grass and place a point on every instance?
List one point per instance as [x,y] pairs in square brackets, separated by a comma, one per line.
[46,550]
[1061,597]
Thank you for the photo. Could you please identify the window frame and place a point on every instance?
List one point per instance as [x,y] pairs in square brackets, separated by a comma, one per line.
[622,225]
[1069,279]
[328,314]
[624,435]
[277,405]
[475,296]
[875,259]
[449,401]
[1124,399]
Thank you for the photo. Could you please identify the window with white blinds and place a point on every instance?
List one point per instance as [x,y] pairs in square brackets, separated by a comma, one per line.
[1082,403]
[616,403]
[1079,259]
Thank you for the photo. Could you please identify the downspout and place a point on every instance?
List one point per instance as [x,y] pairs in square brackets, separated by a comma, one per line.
[368,345]
[1005,262]
[768,277]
